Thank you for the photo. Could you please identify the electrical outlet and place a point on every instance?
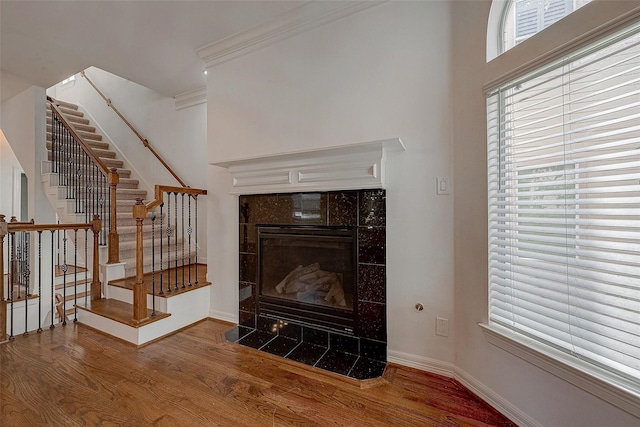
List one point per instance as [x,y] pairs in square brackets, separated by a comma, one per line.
[442,326]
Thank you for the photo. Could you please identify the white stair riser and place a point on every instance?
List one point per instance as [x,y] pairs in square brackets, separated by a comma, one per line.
[186,308]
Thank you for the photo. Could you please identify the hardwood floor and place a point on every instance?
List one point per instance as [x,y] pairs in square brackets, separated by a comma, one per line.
[74,376]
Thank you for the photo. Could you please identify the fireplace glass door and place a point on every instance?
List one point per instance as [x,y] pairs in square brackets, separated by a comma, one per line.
[307,274]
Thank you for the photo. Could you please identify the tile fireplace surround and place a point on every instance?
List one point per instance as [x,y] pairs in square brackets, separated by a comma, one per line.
[361,355]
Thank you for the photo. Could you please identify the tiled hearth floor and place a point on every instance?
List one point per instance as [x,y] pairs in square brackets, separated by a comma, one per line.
[334,358]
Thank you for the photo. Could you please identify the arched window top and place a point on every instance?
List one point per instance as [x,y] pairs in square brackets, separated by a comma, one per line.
[513,21]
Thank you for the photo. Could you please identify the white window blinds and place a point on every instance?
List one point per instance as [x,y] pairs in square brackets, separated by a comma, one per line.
[564,205]
[533,16]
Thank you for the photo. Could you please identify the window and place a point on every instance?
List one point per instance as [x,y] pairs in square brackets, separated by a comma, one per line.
[564,205]
[524,18]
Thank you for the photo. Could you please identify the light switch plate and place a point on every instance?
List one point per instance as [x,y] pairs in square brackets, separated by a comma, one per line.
[442,185]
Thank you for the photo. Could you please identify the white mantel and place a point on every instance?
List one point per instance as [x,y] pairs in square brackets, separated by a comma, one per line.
[345,167]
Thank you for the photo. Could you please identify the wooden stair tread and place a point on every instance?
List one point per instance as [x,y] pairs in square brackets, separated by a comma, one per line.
[71,269]
[128,282]
[70,284]
[120,312]
[20,298]
[69,105]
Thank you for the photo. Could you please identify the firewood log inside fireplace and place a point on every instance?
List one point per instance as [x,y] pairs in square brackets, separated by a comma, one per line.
[310,282]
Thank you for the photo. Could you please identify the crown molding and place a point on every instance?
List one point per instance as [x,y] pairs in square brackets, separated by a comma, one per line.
[190,98]
[299,20]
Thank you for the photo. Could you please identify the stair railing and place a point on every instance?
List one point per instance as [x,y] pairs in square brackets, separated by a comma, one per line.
[24,255]
[87,179]
[180,231]
[142,139]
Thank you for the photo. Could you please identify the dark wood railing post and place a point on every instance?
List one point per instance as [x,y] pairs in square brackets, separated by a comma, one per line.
[13,263]
[114,239]
[3,302]
[139,291]
[96,287]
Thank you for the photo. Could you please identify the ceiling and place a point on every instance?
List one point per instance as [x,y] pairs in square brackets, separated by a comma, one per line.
[150,42]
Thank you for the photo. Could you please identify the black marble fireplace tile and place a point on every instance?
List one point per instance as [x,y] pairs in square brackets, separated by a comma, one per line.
[315,336]
[290,330]
[256,339]
[244,209]
[235,334]
[248,268]
[343,343]
[337,361]
[283,208]
[248,238]
[280,346]
[367,368]
[307,208]
[343,208]
[372,321]
[306,353]
[247,319]
[267,324]
[259,209]
[247,297]
[271,208]
[376,350]
[372,283]
[371,245]
[372,210]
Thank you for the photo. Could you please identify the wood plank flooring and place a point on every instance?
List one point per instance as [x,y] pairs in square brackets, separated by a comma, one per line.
[74,376]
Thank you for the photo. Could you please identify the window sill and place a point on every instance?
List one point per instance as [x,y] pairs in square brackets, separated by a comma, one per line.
[618,391]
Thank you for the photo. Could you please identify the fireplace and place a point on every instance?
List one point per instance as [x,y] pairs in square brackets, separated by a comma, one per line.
[293,248]
[308,274]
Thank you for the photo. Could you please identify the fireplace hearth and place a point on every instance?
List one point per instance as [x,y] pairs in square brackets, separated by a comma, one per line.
[313,278]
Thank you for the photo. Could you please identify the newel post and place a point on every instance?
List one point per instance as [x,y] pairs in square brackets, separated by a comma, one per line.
[139,291]
[114,239]
[96,287]
[3,302]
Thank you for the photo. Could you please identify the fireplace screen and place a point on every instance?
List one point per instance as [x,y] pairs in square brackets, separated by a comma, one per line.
[307,267]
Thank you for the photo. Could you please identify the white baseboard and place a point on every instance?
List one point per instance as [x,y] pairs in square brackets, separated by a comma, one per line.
[225,317]
[472,384]
[503,406]
[423,363]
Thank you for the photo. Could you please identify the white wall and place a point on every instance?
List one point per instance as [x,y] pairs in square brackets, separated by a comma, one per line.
[539,396]
[9,168]
[413,70]
[178,136]
[382,73]
[22,120]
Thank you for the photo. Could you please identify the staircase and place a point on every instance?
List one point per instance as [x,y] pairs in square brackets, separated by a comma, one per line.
[126,194]
[175,309]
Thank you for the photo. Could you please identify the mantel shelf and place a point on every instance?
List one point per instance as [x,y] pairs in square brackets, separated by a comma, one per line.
[345,167]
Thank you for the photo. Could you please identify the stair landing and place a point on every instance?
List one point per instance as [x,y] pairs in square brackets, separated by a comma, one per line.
[174,310]
[120,312]
[174,280]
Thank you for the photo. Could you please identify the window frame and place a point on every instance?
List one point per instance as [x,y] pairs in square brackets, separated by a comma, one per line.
[509,7]
[602,21]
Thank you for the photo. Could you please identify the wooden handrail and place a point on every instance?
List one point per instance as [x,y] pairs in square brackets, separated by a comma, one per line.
[161,189]
[15,226]
[144,141]
[87,149]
